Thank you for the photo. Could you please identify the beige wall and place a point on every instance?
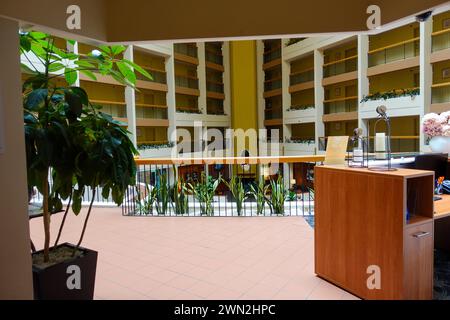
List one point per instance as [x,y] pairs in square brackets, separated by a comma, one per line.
[15,258]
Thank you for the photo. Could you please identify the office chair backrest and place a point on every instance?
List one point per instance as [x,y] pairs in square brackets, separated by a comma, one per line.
[436,162]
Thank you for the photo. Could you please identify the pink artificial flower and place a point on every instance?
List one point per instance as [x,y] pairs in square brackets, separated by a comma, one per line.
[432,125]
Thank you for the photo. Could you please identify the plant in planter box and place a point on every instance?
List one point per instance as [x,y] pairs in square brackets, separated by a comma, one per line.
[204,192]
[162,194]
[179,195]
[144,205]
[259,192]
[278,196]
[80,147]
[237,189]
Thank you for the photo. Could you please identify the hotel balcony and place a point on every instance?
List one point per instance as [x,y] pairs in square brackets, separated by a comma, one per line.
[301,141]
[440,100]
[340,63]
[186,52]
[441,37]
[394,50]
[398,91]
[300,114]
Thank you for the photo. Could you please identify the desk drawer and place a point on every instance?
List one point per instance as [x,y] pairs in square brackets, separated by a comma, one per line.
[418,268]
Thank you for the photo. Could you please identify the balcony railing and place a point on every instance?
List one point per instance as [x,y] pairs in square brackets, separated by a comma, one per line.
[271,114]
[186,49]
[272,54]
[302,76]
[441,92]
[337,67]
[186,82]
[215,107]
[346,104]
[158,76]
[272,84]
[114,108]
[441,40]
[394,52]
[214,86]
[184,187]
[214,57]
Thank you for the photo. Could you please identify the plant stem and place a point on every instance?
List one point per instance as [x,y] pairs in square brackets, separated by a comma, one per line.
[46,218]
[63,220]
[86,221]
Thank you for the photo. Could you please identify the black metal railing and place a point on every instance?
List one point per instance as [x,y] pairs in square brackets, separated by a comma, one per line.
[202,187]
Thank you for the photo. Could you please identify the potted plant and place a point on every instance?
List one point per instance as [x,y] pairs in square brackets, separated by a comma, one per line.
[278,196]
[204,191]
[437,129]
[237,189]
[78,146]
[259,192]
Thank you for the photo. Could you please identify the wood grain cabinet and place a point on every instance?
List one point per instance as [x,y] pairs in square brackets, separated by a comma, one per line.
[374,231]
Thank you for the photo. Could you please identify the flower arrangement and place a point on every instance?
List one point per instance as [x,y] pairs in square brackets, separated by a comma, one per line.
[435,125]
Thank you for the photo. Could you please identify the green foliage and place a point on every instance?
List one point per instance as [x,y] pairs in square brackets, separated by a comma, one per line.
[301,107]
[396,93]
[179,194]
[237,189]
[278,195]
[65,134]
[146,146]
[292,196]
[144,205]
[259,192]
[162,194]
[204,192]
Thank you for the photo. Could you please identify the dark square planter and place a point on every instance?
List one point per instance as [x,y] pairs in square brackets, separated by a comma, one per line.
[56,282]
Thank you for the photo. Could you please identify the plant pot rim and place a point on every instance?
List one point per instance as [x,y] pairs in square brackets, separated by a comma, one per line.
[85,251]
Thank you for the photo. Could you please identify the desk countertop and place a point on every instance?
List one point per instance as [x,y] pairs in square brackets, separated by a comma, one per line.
[442,207]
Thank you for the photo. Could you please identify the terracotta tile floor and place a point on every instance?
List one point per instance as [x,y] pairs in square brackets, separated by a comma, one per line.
[198,258]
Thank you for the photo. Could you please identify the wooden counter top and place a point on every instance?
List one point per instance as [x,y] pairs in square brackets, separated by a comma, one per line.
[442,207]
[403,173]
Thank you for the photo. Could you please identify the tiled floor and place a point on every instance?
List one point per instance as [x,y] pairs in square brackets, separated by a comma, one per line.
[198,258]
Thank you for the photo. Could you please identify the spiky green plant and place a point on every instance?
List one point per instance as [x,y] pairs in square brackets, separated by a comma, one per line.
[237,189]
[292,196]
[259,191]
[179,194]
[204,192]
[145,204]
[278,196]
[162,194]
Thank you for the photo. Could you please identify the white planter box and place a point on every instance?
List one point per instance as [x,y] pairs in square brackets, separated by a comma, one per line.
[155,153]
[295,149]
[396,107]
[300,116]
[188,120]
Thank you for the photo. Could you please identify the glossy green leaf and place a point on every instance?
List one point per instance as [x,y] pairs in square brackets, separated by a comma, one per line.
[126,71]
[70,75]
[139,69]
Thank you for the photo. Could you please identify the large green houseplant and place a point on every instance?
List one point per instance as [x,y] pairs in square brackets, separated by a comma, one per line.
[68,138]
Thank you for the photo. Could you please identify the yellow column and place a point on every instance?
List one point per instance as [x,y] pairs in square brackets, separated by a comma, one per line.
[244,103]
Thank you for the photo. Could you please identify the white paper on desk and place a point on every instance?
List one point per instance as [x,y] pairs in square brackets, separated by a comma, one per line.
[336,150]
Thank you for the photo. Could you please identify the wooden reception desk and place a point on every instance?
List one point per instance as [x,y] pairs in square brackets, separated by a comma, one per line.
[360,222]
